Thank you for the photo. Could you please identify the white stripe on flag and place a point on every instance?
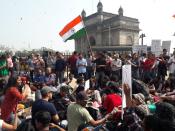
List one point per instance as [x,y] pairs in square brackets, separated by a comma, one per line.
[72,31]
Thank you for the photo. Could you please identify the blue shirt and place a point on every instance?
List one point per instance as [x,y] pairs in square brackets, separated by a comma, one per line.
[82,68]
[39,79]
[43,105]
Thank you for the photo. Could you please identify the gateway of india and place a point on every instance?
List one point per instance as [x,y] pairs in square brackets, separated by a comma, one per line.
[108,31]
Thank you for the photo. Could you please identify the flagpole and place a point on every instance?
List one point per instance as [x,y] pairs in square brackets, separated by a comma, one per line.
[87,38]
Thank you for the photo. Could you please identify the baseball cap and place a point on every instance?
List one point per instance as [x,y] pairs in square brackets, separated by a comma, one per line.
[82,96]
[46,89]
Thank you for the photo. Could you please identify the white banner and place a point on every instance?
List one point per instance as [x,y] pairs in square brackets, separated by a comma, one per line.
[126,79]
[139,49]
[156,47]
[166,45]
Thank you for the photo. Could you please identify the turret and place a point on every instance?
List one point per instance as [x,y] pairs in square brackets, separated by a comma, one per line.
[120,11]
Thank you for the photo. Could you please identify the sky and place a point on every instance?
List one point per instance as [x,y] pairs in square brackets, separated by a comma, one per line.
[28,24]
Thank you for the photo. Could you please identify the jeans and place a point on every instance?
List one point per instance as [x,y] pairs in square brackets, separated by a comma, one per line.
[59,77]
[99,77]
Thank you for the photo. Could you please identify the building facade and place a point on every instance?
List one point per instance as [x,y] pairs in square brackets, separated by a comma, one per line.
[108,32]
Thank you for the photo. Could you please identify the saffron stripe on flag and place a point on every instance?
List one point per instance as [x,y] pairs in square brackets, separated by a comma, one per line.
[72,31]
[70,25]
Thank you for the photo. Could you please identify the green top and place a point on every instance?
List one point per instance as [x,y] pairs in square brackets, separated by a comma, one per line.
[152,108]
[77,115]
[3,71]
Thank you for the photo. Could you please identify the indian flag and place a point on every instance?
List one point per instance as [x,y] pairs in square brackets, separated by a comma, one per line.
[73,30]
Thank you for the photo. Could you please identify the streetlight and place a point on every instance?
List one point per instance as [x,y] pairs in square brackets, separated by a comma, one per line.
[142,36]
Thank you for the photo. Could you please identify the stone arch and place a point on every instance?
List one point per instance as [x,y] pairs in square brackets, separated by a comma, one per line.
[129,40]
[92,41]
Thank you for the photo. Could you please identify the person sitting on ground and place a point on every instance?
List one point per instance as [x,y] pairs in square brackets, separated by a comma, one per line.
[137,103]
[162,120]
[43,104]
[110,100]
[61,100]
[80,85]
[42,122]
[39,78]
[94,94]
[50,77]
[65,82]
[30,94]
[77,114]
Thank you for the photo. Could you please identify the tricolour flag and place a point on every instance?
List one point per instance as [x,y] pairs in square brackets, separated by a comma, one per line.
[73,30]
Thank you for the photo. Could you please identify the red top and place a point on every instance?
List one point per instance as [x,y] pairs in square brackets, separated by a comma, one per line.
[72,61]
[111,101]
[148,64]
[12,97]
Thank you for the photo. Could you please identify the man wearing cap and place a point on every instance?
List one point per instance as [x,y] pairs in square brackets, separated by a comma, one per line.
[44,105]
[77,114]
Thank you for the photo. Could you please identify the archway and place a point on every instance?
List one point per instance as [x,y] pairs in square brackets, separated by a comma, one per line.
[92,41]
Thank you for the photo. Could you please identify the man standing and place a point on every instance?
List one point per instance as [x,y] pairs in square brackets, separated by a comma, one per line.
[72,63]
[100,67]
[81,65]
[60,67]
[78,115]
[171,63]
[116,65]
[148,67]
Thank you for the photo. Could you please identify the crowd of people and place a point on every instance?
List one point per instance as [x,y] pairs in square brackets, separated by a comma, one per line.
[84,92]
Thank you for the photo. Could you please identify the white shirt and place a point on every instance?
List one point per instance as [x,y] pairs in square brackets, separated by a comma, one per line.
[172,65]
[116,64]
[1,122]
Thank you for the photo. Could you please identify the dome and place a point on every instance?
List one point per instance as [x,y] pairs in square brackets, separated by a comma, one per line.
[120,11]
[100,7]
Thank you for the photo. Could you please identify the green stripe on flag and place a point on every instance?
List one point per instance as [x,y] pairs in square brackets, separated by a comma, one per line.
[78,34]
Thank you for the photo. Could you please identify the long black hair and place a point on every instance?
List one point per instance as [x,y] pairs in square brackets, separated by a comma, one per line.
[12,82]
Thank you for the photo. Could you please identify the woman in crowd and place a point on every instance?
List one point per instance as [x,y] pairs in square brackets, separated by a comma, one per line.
[12,98]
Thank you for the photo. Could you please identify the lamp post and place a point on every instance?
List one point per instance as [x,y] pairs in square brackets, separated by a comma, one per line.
[142,36]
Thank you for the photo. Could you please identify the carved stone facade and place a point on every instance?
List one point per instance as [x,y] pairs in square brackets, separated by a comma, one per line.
[108,32]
